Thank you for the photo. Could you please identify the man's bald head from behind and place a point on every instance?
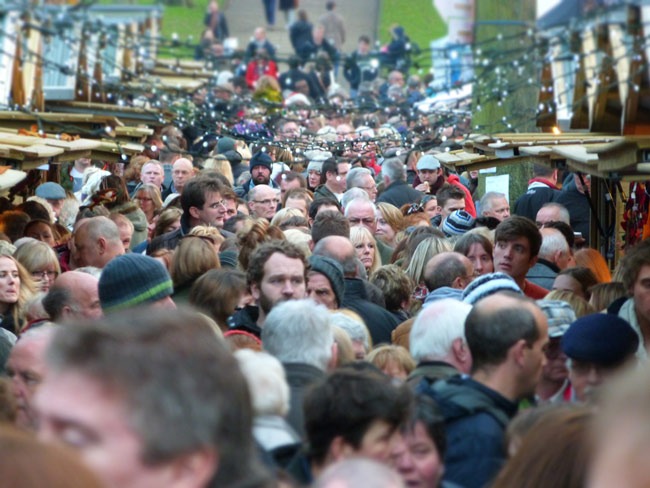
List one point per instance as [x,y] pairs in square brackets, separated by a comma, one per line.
[73,296]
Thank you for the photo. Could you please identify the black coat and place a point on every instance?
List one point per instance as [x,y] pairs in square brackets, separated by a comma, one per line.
[528,204]
[475,419]
[301,38]
[399,193]
[299,377]
[380,322]
[220,30]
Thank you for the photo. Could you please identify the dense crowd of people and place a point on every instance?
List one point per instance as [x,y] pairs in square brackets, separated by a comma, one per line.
[312,297]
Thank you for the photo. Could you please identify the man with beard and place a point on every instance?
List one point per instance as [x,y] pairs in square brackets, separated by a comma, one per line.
[276,273]
[261,166]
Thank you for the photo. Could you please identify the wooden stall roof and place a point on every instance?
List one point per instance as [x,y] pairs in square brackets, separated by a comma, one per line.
[603,155]
[58,122]
[28,152]
[110,150]
[129,116]
[166,83]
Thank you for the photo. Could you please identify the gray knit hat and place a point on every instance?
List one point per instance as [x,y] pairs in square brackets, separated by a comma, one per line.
[225,144]
[559,314]
[333,271]
[131,280]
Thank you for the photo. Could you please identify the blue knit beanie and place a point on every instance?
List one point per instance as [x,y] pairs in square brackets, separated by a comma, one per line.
[131,280]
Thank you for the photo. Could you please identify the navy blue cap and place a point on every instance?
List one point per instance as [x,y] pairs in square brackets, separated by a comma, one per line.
[261,159]
[600,338]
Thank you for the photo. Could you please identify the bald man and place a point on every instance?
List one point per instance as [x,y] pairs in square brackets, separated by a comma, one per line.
[446,275]
[74,295]
[96,242]
[263,201]
[26,369]
[506,336]
[182,172]
[380,321]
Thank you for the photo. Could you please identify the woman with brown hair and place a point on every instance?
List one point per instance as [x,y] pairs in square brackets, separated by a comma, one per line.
[219,293]
[478,249]
[42,230]
[554,452]
[260,231]
[169,220]
[193,256]
[578,279]
[390,222]
[26,462]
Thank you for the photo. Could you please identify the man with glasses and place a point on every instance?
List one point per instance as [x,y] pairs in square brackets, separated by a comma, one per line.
[554,386]
[203,204]
[362,211]
[263,202]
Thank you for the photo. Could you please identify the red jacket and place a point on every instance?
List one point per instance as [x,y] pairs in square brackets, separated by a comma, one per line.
[255,70]
[469,203]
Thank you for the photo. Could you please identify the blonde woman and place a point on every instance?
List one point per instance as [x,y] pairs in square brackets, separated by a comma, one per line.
[366,248]
[149,200]
[40,261]
[221,165]
[16,287]
[425,250]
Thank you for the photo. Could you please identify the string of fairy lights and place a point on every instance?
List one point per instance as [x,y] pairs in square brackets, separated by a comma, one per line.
[500,67]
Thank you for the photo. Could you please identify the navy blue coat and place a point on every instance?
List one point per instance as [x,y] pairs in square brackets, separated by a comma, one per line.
[475,419]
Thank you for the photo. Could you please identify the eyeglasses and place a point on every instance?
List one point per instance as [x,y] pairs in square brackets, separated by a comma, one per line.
[221,203]
[143,199]
[357,221]
[268,201]
[44,274]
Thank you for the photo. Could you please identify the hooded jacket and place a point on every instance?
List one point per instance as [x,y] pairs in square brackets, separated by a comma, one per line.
[475,418]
